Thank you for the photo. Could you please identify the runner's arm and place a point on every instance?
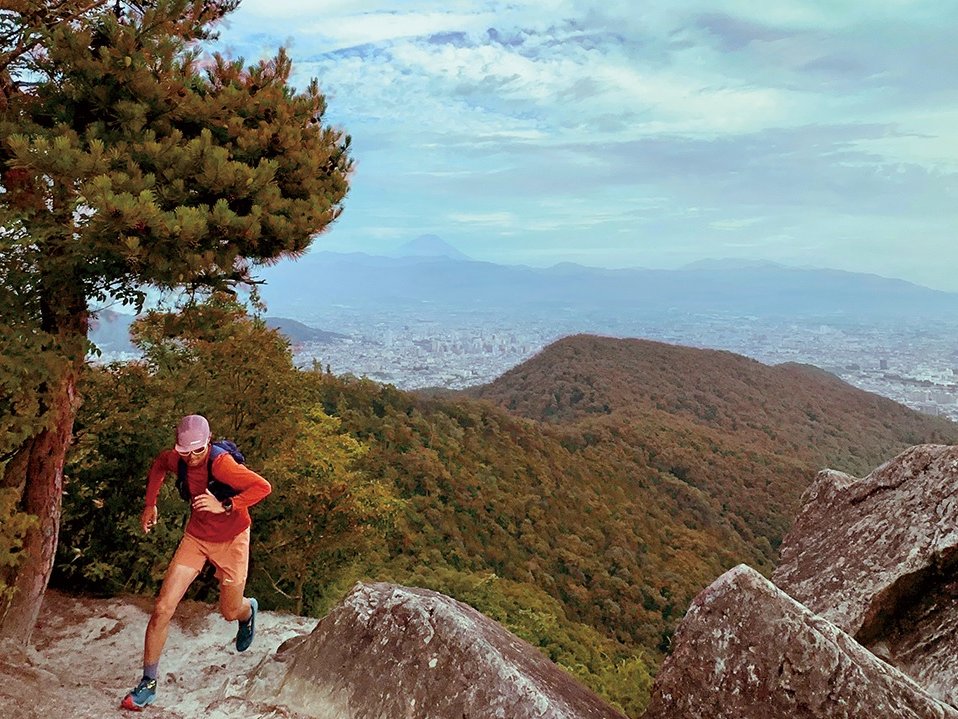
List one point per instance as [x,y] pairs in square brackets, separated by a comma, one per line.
[252,487]
[154,480]
[164,463]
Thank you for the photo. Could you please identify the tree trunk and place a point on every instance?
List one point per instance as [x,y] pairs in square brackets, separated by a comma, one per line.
[38,470]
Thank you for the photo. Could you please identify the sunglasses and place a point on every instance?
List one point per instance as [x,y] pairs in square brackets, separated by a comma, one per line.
[193,453]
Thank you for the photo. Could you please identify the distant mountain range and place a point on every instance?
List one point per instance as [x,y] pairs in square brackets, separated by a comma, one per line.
[110,331]
[297,332]
[761,289]
[430,272]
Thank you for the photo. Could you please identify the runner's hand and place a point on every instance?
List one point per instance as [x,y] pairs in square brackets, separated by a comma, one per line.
[206,502]
[148,519]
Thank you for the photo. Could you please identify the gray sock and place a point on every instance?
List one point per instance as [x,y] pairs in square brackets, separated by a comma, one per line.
[150,671]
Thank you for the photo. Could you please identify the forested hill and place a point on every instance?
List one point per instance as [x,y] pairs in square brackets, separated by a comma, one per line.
[636,473]
[789,409]
[743,438]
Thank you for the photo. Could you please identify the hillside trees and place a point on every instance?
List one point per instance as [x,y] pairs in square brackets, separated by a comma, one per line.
[215,359]
[125,164]
[209,358]
[324,514]
[588,522]
[587,537]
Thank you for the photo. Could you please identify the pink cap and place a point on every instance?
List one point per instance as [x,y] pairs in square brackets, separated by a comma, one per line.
[193,432]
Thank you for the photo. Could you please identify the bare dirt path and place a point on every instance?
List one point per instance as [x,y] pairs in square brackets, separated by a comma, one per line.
[87,654]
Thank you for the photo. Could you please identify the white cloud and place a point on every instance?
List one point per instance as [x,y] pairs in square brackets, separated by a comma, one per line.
[505,219]
[735,224]
[353,30]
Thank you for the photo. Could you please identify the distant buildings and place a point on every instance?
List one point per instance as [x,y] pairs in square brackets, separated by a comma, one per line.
[458,349]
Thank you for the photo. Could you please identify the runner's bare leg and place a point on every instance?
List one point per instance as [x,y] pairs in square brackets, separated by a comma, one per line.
[177,581]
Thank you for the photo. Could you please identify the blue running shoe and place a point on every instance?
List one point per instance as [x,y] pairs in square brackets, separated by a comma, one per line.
[143,695]
[247,629]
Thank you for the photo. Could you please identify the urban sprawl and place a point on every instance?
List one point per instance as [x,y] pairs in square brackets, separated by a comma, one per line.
[909,363]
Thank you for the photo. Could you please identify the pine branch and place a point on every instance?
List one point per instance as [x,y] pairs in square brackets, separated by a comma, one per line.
[50,19]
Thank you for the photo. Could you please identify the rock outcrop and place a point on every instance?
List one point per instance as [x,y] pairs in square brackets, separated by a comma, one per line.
[390,652]
[878,557]
[861,616]
[746,650]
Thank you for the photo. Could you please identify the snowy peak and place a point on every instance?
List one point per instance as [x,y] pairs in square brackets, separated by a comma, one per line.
[430,246]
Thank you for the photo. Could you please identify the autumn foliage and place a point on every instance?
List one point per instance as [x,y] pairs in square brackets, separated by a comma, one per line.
[640,473]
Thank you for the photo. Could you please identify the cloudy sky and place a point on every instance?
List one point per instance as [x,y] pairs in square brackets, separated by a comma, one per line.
[639,134]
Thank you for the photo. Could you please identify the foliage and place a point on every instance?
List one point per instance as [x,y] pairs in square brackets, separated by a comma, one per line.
[587,534]
[127,160]
[212,358]
[25,23]
[325,513]
[130,162]
[28,363]
[13,528]
[627,684]
[623,546]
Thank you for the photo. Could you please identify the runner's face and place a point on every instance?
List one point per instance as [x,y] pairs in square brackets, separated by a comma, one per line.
[193,459]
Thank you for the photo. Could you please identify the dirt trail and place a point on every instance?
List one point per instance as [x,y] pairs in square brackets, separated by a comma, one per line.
[87,653]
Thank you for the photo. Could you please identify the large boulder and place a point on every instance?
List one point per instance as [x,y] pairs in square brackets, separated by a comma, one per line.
[746,650]
[878,557]
[390,652]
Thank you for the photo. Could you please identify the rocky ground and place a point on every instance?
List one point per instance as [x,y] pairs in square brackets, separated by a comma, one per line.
[87,653]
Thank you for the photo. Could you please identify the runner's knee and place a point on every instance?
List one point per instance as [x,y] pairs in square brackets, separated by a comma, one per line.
[163,609]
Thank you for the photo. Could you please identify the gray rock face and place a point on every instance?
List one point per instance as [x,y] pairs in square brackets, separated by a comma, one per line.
[391,652]
[746,650]
[878,557]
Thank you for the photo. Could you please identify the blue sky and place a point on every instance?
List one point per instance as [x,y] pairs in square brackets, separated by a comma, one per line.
[639,134]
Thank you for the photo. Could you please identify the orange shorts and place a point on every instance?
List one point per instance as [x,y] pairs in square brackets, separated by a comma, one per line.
[231,558]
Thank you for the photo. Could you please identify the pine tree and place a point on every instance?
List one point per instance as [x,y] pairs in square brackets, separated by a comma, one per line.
[129,160]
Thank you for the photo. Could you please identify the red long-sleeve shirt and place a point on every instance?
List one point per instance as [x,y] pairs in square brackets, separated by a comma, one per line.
[208,526]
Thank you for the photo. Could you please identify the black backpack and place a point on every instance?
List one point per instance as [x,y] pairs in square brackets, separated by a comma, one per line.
[218,489]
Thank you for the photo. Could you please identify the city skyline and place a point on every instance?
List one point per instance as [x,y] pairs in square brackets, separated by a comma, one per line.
[810,134]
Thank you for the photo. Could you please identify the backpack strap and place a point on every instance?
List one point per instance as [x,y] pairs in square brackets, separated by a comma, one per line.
[182,486]
[220,490]
[215,452]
